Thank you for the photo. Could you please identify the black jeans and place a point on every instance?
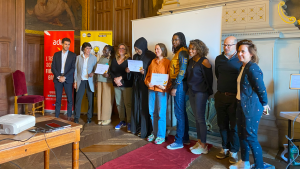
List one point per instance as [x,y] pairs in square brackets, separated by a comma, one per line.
[226,113]
[198,102]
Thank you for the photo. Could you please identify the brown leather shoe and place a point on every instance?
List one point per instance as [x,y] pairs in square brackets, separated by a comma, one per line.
[70,119]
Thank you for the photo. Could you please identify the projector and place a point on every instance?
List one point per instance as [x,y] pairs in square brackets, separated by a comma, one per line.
[15,123]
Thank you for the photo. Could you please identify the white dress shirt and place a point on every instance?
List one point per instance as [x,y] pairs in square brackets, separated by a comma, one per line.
[63,61]
[84,73]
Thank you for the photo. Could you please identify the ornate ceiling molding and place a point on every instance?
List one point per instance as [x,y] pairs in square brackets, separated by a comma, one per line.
[253,35]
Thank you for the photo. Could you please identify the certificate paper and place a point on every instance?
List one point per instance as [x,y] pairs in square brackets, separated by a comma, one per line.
[101,68]
[159,79]
[135,65]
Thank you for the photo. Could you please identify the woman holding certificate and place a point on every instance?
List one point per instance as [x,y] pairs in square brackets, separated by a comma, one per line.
[179,87]
[199,80]
[252,102]
[157,94]
[140,118]
[105,89]
[122,85]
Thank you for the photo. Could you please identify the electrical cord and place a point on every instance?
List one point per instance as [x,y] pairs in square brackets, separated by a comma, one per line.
[51,150]
[20,140]
[48,146]
[83,152]
[290,139]
[15,164]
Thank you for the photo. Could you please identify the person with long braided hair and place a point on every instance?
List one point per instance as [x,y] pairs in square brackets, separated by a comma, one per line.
[179,87]
[199,80]
[105,88]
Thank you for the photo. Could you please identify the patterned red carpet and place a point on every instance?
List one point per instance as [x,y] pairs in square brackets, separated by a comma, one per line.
[152,156]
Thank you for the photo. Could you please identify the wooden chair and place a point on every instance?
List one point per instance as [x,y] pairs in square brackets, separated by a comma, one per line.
[21,96]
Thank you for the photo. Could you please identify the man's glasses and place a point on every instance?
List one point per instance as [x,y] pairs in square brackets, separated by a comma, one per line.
[229,45]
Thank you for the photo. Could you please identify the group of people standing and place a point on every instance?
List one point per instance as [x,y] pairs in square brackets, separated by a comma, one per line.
[240,101]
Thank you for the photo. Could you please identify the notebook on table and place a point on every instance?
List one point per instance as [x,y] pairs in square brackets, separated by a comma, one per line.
[52,125]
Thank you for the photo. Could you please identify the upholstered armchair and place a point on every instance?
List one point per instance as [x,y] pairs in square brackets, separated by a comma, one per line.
[21,96]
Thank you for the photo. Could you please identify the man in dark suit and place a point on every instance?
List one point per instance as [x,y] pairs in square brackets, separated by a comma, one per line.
[63,67]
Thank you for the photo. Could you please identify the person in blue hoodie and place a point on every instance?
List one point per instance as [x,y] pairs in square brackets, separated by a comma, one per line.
[252,103]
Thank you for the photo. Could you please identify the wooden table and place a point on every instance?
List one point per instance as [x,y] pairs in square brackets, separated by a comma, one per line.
[11,150]
[291,117]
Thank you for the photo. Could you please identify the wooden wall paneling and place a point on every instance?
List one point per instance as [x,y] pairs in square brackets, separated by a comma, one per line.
[118,3]
[91,14]
[7,53]
[104,15]
[20,34]
[122,22]
[118,31]
[34,64]
[127,17]
[116,15]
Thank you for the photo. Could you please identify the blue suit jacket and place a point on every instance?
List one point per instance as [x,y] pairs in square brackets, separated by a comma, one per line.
[253,91]
[69,66]
[91,66]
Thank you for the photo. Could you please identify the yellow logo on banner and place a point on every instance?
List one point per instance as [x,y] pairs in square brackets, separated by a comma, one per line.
[101,36]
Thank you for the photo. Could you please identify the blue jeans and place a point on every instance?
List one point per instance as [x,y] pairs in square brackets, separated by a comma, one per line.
[158,111]
[182,132]
[198,103]
[247,129]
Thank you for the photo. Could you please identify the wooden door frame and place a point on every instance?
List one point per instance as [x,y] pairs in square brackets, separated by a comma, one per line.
[20,35]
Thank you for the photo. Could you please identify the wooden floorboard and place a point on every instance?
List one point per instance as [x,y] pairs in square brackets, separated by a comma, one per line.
[103,148]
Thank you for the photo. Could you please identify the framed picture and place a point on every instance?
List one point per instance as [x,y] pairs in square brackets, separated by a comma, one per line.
[43,15]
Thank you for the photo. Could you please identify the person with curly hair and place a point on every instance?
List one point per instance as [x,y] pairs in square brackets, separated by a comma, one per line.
[252,103]
[122,85]
[179,88]
[199,80]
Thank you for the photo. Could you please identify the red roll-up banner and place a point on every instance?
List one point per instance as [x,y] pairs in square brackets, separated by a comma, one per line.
[52,44]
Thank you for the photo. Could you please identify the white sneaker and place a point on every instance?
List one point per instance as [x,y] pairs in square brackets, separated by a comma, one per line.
[195,146]
[233,158]
[200,150]
[105,122]
[240,165]
[223,154]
